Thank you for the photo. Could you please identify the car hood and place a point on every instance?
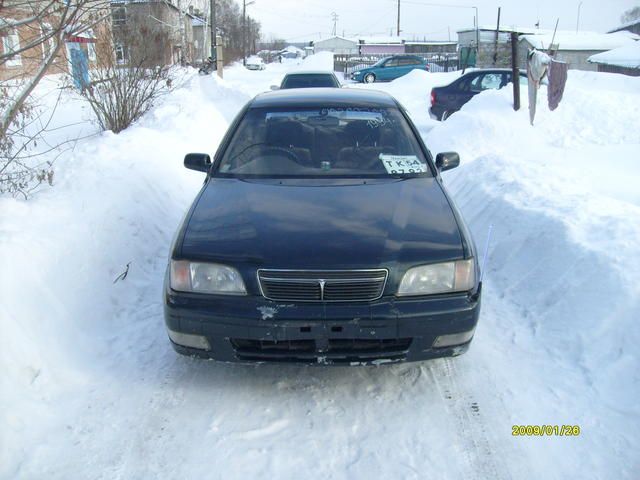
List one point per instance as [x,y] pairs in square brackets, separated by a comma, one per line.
[322,223]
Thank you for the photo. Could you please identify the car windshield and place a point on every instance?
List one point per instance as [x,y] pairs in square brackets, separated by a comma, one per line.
[309,81]
[380,62]
[323,142]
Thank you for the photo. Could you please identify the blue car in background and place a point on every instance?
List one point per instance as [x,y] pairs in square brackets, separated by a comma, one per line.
[389,69]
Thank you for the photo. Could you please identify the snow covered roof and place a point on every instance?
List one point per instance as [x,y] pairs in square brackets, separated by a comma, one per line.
[292,49]
[627,56]
[628,24]
[431,42]
[582,40]
[379,40]
[505,28]
[338,37]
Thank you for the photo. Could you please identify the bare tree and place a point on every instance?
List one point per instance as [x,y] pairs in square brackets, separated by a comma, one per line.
[630,15]
[33,35]
[126,83]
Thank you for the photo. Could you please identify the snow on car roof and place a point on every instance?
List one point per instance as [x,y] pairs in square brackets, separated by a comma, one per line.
[299,97]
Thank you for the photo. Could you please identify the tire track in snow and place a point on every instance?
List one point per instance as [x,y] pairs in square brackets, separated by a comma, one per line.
[480,459]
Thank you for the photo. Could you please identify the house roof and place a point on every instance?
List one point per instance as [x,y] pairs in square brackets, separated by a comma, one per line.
[582,40]
[627,56]
[374,40]
[431,42]
[338,37]
[513,28]
[625,25]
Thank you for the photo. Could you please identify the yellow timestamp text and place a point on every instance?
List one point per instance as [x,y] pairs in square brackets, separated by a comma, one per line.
[545,430]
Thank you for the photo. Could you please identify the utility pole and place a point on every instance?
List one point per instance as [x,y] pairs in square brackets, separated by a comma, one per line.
[212,7]
[398,25]
[334,18]
[495,51]
[578,19]
[245,4]
[183,34]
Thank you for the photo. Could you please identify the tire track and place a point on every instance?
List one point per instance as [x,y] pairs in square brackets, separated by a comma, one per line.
[481,461]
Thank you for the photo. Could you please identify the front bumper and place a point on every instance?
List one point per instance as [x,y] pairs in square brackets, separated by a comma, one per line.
[254,329]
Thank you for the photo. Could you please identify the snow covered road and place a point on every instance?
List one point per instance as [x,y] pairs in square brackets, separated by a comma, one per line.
[91,388]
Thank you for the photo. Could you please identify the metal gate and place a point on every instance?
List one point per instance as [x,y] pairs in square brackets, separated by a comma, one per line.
[438,62]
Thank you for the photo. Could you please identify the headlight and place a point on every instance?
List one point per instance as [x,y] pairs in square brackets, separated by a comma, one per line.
[205,278]
[355,73]
[446,277]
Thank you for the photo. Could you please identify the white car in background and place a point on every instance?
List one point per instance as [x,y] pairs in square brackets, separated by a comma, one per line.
[255,63]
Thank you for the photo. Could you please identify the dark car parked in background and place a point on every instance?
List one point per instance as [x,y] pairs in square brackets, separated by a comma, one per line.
[390,68]
[322,234]
[308,80]
[450,98]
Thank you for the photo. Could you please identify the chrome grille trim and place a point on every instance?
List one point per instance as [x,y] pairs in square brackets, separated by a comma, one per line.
[363,285]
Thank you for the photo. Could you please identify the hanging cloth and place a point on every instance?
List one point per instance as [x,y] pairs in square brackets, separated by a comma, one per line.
[557,81]
[537,63]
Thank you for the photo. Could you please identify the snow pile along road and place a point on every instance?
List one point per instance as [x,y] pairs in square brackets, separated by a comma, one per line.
[91,388]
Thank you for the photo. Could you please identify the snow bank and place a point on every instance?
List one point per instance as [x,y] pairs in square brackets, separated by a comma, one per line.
[318,61]
[116,200]
[563,199]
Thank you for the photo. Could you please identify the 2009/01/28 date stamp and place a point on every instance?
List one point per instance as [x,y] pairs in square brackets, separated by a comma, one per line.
[545,430]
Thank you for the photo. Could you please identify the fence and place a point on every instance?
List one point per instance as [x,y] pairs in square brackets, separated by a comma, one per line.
[438,62]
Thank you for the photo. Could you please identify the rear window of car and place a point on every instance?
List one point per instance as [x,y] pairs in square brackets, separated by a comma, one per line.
[309,81]
[327,141]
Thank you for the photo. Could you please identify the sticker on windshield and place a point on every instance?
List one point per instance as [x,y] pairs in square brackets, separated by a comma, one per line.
[398,164]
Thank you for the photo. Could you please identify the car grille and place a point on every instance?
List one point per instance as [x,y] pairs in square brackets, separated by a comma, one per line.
[337,350]
[322,286]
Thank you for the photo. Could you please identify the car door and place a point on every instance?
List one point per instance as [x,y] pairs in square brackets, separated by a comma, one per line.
[389,70]
[461,92]
[405,65]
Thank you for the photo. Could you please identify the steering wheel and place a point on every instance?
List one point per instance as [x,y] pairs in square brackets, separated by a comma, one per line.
[287,153]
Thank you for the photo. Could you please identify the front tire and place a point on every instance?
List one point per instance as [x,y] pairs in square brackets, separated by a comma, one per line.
[369,78]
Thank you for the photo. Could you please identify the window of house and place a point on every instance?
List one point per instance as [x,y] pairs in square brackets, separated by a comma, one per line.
[91,47]
[10,44]
[118,16]
[121,54]
[91,52]
[48,43]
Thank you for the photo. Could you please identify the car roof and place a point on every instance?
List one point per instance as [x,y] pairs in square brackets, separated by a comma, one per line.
[339,97]
[492,70]
[309,72]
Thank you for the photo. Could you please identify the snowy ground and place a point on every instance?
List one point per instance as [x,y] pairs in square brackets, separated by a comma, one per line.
[90,387]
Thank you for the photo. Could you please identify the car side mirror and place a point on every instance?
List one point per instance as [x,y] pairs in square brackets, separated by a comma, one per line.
[275,87]
[447,161]
[197,161]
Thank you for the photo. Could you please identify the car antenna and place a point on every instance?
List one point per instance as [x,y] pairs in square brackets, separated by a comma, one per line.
[486,252]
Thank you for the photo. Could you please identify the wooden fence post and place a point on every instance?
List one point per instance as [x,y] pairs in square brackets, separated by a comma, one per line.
[515,71]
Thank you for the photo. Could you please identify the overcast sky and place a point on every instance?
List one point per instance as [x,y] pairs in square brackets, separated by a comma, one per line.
[302,20]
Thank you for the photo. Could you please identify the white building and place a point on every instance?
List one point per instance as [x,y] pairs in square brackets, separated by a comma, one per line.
[337,45]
